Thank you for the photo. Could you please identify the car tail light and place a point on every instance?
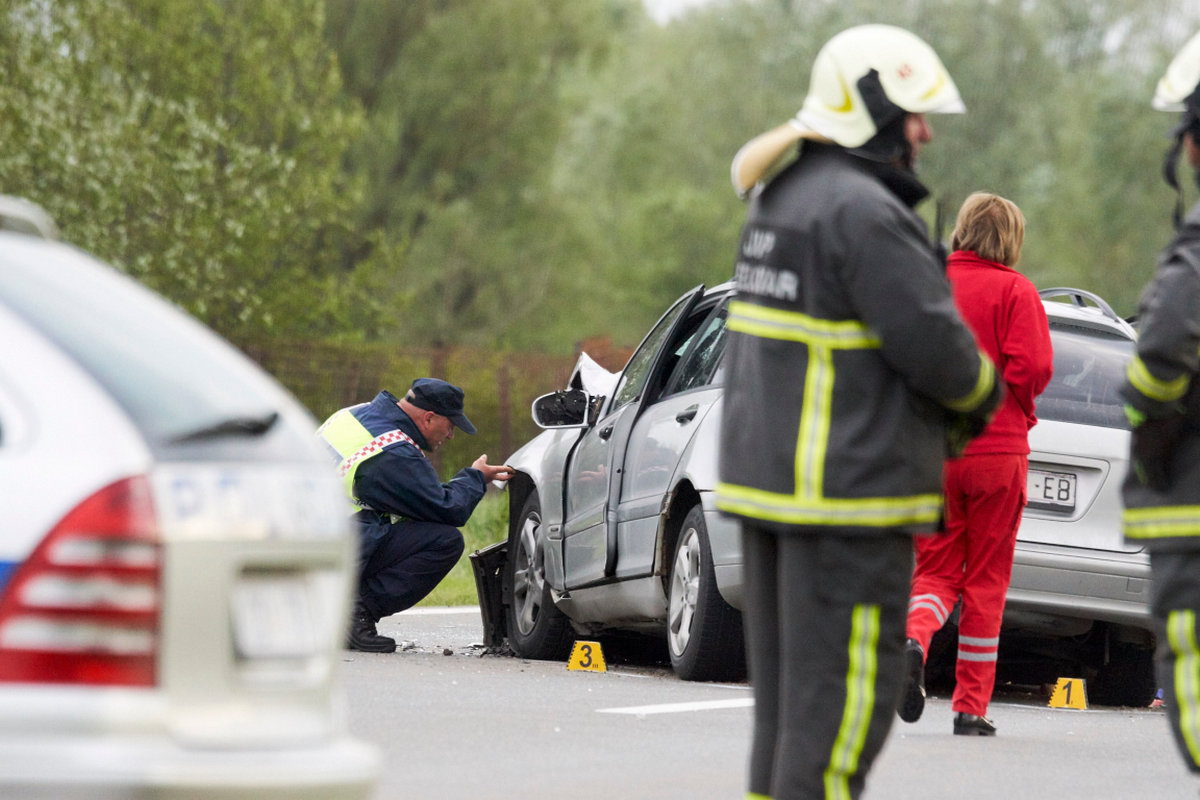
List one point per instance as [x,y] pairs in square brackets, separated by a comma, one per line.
[84,607]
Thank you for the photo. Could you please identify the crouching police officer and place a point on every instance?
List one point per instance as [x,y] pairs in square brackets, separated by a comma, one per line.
[1162,489]
[407,518]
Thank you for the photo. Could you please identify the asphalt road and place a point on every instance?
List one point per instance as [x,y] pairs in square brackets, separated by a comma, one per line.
[453,722]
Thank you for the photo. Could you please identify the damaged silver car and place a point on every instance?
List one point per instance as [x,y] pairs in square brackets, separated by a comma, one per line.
[613,524]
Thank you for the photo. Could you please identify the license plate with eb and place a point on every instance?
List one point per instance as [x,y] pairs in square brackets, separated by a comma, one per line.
[1050,491]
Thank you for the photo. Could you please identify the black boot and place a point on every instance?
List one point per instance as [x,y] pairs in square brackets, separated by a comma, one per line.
[363,636]
[972,725]
[913,702]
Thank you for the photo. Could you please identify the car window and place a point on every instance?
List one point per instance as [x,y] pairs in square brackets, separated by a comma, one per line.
[637,371]
[1089,369]
[182,385]
[700,364]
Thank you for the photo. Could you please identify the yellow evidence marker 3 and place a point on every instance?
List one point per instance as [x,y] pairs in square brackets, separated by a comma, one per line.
[587,656]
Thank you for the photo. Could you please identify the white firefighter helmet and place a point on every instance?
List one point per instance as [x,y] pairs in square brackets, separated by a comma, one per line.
[908,71]
[1179,90]
[1181,78]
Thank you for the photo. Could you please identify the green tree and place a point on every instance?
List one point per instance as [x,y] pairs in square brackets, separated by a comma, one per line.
[196,145]
[466,111]
[1058,120]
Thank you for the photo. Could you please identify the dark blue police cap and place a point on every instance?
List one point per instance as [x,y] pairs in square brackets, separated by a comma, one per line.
[431,394]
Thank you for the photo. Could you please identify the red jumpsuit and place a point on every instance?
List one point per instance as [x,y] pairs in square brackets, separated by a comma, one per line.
[985,488]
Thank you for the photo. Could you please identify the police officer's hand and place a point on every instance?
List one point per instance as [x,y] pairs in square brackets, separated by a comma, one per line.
[500,472]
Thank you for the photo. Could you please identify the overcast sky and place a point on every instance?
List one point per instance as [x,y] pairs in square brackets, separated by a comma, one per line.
[663,10]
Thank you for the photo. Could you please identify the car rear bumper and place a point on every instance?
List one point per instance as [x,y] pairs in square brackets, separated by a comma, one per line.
[1080,584]
[149,766]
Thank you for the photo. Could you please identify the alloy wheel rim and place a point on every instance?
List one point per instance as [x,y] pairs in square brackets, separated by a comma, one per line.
[685,589]
[529,578]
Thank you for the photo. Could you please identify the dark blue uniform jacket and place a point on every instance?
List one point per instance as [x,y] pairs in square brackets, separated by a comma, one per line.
[402,481]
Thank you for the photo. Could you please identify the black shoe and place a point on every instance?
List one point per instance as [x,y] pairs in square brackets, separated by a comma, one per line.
[913,702]
[363,636]
[971,725]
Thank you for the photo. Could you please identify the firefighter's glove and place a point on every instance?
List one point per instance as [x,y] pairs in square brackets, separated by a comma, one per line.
[960,430]
[961,427]
[1152,446]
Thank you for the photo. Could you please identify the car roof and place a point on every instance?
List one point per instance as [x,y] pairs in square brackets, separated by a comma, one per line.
[1065,305]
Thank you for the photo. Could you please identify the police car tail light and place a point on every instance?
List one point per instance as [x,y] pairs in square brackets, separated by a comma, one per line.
[84,607]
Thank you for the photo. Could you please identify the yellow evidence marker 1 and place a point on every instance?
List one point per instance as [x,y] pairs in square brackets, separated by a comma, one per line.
[1069,693]
[587,656]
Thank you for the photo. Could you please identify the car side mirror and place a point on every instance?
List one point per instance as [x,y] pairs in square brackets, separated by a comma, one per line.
[566,408]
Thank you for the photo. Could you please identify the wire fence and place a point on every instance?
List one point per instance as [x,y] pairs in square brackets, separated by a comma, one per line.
[500,387]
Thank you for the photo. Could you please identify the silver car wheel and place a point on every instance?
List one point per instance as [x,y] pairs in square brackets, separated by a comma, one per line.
[529,576]
[685,589]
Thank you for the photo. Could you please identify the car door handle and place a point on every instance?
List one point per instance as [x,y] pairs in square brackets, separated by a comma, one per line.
[687,415]
[605,433]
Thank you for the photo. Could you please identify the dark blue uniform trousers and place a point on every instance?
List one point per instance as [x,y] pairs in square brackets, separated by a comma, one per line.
[399,567]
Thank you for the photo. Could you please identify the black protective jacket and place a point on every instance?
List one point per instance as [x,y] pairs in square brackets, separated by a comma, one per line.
[847,357]
[1162,489]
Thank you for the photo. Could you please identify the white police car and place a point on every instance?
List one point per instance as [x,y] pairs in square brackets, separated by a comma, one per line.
[175,556]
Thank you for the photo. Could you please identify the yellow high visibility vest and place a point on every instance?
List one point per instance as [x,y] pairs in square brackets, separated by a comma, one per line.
[355,444]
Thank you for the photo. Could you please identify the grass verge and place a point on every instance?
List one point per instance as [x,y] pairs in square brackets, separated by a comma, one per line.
[489,524]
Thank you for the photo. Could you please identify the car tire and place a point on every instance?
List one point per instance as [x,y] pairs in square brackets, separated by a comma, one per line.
[704,633]
[1127,680]
[536,627]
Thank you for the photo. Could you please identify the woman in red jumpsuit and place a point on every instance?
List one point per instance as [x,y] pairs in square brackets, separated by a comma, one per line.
[985,487]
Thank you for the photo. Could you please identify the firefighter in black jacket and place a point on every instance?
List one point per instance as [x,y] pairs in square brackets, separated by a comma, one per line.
[1162,488]
[848,366]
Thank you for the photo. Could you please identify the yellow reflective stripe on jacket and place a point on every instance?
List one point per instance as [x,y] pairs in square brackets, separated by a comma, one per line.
[815,419]
[1145,383]
[1185,678]
[861,676]
[1161,521]
[984,384]
[808,505]
[345,434]
[355,444]
[774,323]
[794,510]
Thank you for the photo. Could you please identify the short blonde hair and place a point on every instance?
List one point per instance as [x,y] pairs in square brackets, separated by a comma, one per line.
[992,227]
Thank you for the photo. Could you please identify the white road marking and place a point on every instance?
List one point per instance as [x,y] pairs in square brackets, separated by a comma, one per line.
[676,708]
[441,610]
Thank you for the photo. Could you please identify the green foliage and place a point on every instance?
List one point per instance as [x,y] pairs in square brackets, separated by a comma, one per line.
[499,386]
[465,116]
[530,173]
[1058,118]
[196,145]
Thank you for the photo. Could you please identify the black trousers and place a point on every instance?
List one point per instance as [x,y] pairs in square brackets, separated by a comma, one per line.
[405,564]
[1175,604]
[824,619]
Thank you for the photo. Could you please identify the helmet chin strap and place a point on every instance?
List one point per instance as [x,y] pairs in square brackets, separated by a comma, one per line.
[1189,123]
[1169,167]
[889,145]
